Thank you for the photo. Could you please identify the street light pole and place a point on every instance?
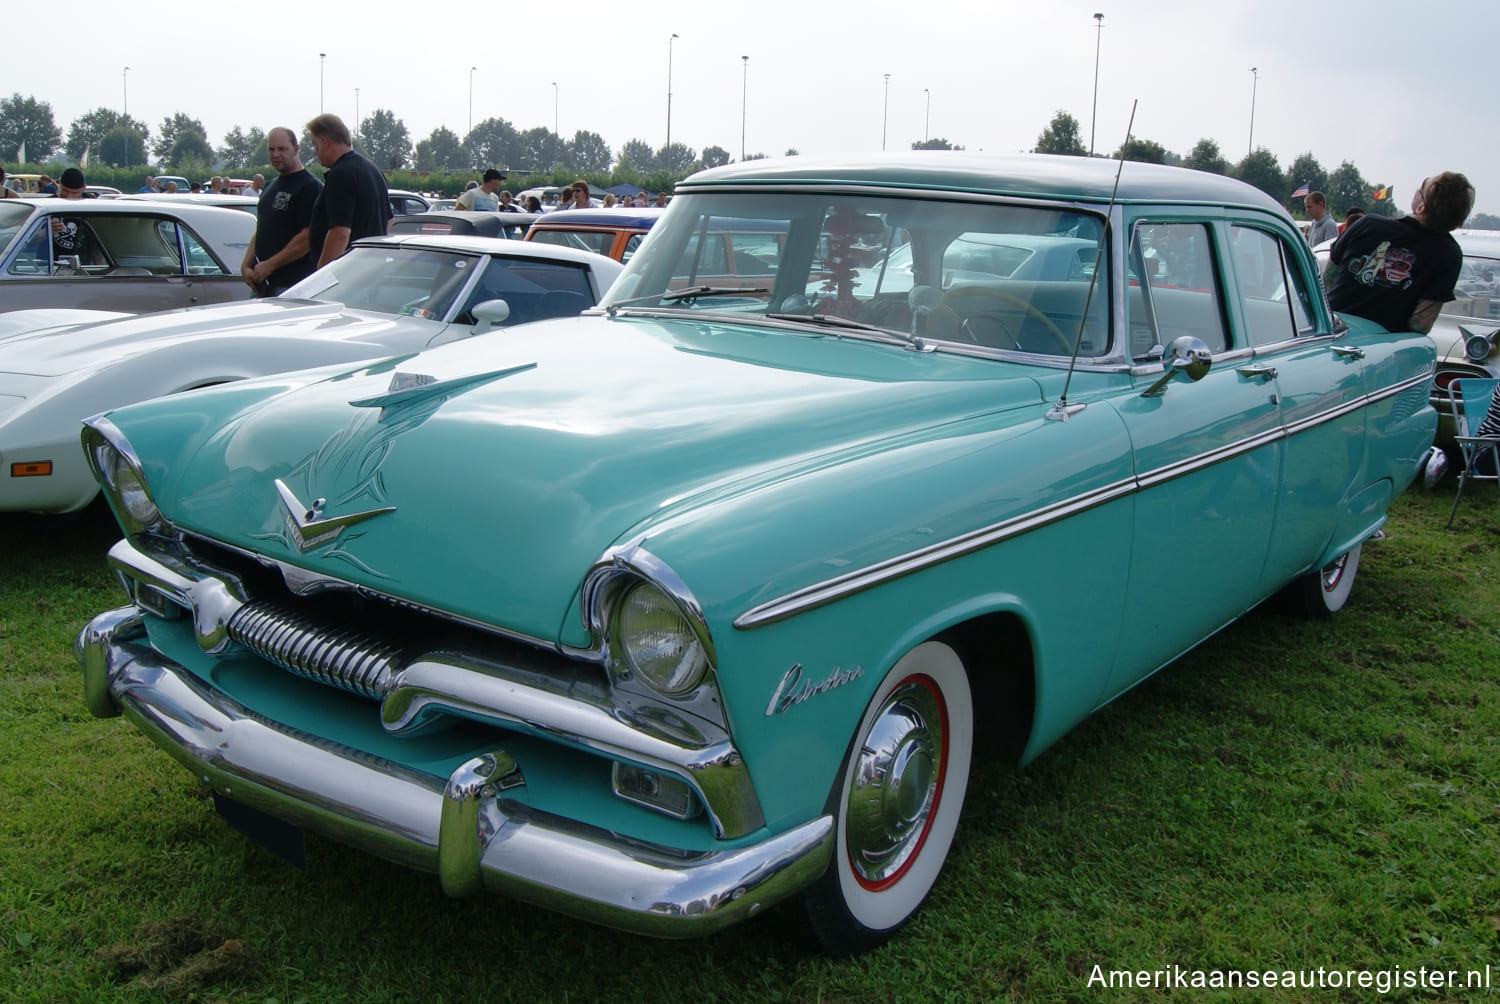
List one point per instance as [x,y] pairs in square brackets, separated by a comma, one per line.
[1094,118]
[356,116]
[927,121]
[1254,83]
[885,110]
[556,134]
[125,110]
[669,91]
[322,60]
[744,102]
[471,99]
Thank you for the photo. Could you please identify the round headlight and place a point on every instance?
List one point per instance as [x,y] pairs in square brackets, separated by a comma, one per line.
[129,490]
[656,642]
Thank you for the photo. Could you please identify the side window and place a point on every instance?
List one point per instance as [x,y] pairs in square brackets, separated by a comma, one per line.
[199,261]
[35,254]
[1174,290]
[1273,296]
[631,243]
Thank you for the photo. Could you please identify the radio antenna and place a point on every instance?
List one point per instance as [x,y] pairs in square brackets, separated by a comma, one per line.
[1062,410]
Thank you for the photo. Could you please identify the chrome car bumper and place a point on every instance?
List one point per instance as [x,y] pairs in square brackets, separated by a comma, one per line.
[465,829]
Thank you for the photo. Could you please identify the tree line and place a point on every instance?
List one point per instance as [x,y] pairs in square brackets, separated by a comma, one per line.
[180,144]
[1344,186]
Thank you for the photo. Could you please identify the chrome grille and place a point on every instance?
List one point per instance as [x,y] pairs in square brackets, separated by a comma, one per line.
[348,660]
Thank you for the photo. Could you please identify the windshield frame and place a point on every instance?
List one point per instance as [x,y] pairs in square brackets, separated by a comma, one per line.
[797,211]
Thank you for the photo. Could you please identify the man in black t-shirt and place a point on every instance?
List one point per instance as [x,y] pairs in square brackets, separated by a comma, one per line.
[355,202]
[279,255]
[1399,273]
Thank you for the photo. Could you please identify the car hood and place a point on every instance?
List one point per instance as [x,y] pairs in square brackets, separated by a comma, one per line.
[490,476]
[55,351]
[25,322]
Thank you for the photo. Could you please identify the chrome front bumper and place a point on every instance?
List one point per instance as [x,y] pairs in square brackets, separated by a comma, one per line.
[465,829]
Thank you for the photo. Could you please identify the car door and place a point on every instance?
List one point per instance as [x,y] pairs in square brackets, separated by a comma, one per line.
[1207,455]
[1321,383]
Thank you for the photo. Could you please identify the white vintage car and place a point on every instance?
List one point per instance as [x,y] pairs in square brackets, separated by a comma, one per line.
[120,254]
[388,296]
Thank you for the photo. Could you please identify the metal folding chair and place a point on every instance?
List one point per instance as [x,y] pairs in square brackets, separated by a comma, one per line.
[1471,402]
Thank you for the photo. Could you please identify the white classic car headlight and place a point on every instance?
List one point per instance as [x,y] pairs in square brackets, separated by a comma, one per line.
[655,641]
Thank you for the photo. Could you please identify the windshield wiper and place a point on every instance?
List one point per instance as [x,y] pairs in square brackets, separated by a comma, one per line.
[834,321]
[693,292]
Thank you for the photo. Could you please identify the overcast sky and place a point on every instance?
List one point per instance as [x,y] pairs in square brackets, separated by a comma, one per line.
[1402,90]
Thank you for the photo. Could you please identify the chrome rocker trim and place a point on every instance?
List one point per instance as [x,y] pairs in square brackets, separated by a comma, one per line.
[465,829]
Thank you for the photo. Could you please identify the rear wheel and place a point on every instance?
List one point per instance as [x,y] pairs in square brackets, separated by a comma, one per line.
[898,802]
[1324,592]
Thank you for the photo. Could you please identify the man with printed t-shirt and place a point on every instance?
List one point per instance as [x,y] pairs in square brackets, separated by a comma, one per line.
[1399,273]
[279,255]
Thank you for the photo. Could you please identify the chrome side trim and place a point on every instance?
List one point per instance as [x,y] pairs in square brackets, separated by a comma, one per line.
[415,688]
[827,591]
[464,828]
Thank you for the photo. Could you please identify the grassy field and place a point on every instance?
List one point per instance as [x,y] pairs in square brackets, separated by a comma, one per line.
[1291,796]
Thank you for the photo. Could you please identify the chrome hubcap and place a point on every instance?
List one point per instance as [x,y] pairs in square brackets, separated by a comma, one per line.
[1333,573]
[897,779]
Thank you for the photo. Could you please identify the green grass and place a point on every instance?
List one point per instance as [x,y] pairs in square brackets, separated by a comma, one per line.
[1291,795]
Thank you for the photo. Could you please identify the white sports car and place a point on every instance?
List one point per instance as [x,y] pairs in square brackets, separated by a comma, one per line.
[386,297]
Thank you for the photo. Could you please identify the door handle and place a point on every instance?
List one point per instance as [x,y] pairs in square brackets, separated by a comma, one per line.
[1349,351]
[1257,372]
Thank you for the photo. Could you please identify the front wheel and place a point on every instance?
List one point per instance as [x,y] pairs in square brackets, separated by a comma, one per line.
[898,802]
[1324,592]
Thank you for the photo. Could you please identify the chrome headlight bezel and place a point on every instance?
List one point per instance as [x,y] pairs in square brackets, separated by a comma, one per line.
[654,641]
[118,470]
[616,581]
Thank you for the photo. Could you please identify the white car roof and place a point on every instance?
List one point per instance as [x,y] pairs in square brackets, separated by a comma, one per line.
[496,245]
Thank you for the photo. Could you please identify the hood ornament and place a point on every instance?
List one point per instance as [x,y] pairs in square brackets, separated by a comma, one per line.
[308,526]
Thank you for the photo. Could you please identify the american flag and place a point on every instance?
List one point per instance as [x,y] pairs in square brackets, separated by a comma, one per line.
[1302,192]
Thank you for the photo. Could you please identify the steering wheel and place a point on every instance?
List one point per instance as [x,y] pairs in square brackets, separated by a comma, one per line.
[1015,301]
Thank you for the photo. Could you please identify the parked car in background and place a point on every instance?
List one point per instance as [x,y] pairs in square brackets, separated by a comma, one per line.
[404,203]
[511,226]
[386,297]
[706,598]
[100,192]
[244,203]
[615,233]
[132,256]
[1467,330]
[184,187]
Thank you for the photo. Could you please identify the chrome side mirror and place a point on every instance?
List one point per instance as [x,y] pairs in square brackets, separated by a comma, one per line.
[489,314]
[1186,355]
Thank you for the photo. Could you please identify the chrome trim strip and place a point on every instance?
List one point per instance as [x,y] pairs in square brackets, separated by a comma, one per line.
[824,592]
[827,591]
[479,689]
[463,827]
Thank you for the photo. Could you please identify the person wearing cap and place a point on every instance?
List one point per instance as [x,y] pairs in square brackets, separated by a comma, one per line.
[482,199]
[69,236]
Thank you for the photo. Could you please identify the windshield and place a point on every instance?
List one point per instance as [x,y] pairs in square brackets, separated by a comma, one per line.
[1477,291]
[994,276]
[12,217]
[414,282]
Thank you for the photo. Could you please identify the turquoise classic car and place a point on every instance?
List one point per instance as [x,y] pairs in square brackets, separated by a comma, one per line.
[705,599]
